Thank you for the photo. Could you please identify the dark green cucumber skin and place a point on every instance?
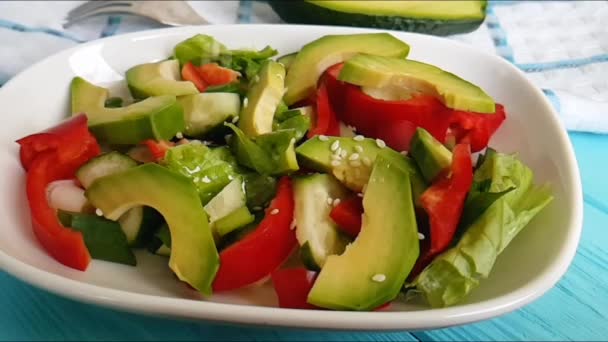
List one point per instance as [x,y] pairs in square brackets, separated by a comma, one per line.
[300,12]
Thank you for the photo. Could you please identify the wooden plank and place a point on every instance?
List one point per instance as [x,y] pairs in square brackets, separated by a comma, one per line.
[27,313]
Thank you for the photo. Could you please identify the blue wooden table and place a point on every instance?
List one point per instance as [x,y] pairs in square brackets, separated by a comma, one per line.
[576,309]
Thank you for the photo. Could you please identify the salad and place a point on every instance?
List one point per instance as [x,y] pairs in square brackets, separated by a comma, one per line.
[345,174]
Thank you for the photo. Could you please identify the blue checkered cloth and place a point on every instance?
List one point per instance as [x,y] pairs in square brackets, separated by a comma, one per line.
[561,45]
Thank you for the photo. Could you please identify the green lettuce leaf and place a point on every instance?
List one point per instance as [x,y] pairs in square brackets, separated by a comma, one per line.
[269,154]
[210,169]
[201,49]
[456,272]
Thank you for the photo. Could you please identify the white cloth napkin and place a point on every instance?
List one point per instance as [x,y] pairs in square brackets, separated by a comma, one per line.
[561,45]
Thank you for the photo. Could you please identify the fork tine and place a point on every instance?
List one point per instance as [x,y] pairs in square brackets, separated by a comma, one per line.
[94,5]
[69,21]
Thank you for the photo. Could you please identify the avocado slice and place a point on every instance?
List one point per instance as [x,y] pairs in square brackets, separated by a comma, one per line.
[194,257]
[373,269]
[416,77]
[262,99]
[430,155]
[159,117]
[439,18]
[316,56]
[155,79]
[316,232]
[320,154]
[287,59]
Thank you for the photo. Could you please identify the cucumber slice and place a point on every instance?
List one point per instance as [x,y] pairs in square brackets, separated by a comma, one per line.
[203,112]
[231,198]
[317,234]
[103,165]
[163,250]
[288,114]
[236,219]
[138,222]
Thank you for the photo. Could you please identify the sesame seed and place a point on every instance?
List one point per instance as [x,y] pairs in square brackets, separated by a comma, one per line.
[367,161]
[355,163]
[354,156]
[230,177]
[196,179]
[360,194]
[330,200]
[378,278]
[179,135]
[206,180]
[292,141]
[336,157]
[380,143]
[274,211]
[358,138]
[420,236]
[226,138]
[335,145]
[245,102]
[257,208]
[403,153]
[323,138]
[336,202]
[98,212]
[335,163]
[235,119]
[293,224]
[343,154]
[338,151]
[359,148]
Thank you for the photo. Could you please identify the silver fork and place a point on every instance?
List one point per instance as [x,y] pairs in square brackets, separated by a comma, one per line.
[172,13]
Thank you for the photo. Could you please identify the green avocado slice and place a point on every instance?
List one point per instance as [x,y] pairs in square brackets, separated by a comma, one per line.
[416,77]
[159,117]
[194,257]
[372,270]
[315,57]
[155,79]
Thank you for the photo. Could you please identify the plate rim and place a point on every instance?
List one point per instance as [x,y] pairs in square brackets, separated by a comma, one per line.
[319,319]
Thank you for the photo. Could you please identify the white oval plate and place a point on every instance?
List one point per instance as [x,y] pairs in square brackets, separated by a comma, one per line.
[531,265]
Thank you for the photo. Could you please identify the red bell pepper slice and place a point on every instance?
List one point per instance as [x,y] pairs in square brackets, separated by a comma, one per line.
[347,215]
[191,73]
[292,286]
[326,122]
[158,149]
[262,251]
[215,75]
[443,201]
[70,131]
[372,116]
[474,128]
[49,156]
